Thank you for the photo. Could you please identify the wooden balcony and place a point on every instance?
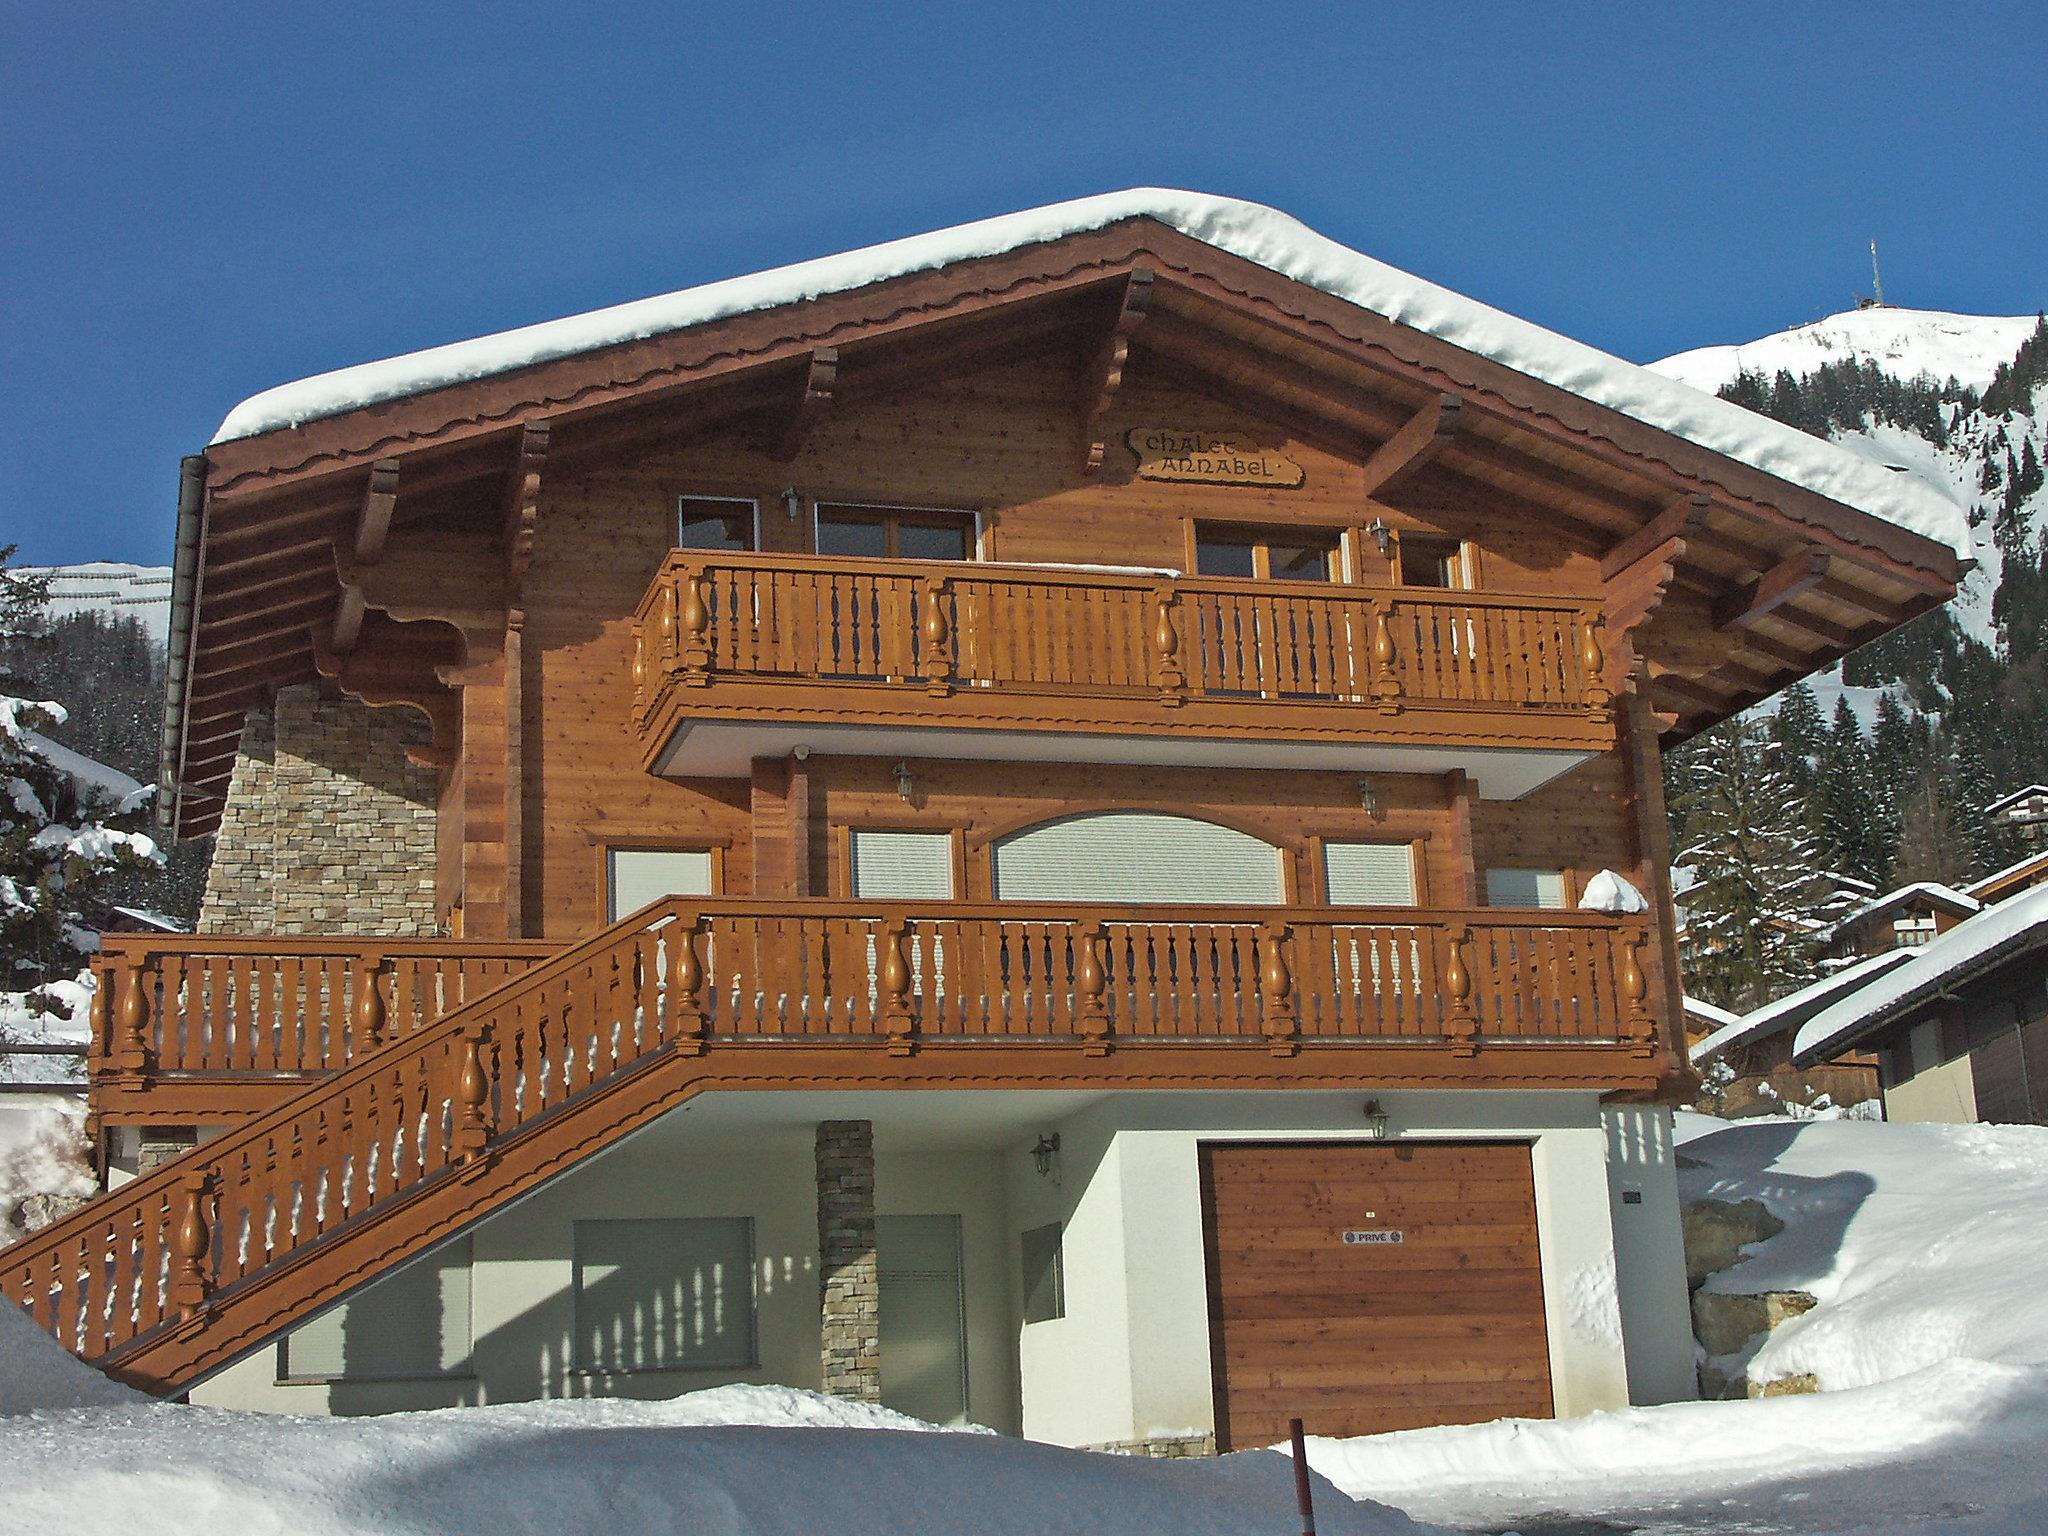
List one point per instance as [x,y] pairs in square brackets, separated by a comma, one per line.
[903,643]
[199,1027]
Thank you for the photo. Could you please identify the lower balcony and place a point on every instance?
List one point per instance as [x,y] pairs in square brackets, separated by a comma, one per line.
[748,654]
[197,1028]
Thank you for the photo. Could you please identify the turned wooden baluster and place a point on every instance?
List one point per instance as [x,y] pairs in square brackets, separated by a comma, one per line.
[1386,684]
[472,1095]
[1091,988]
[131,1023]
[100,1020]
[686,988]
[1461,1019]
[938,653]
[639,670]
[897,1017]
[369,1015]
[1166,665]
[1593,664]
[1276,991]
[191,1245]
[695,623]
[1634,989]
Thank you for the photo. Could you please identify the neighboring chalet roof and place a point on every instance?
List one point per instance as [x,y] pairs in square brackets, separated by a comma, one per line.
[1966,951]
[2009,881]
[1794,551]
[155,921]
[1935,894]
[2016,796]
[1795,1008]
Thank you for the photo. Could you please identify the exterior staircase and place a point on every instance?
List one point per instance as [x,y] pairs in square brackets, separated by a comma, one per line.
[172,1276]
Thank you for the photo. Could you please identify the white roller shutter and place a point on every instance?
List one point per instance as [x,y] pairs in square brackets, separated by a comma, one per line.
[912,866]
[663,1294]
[1117,857]
[1525,888]
[413,1323]
[1369,874]
[639,876]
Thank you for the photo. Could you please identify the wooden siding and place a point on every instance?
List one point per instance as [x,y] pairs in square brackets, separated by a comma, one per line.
[1445,1326]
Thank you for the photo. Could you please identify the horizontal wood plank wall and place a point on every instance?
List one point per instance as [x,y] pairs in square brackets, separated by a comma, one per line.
[1000,442]
[1445,1326]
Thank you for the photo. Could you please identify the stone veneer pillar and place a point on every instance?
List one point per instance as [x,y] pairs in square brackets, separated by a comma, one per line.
[850,1297]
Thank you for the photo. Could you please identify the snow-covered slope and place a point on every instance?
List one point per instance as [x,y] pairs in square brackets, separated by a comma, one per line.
[1905,343]
[139,592]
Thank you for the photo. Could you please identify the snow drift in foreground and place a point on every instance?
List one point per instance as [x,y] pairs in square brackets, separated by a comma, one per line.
[1924,1246]
[42,1152]
[731,1461]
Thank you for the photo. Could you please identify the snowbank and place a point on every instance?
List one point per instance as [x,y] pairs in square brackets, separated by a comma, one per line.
[37,1377]
[1257,234]
[42,1152]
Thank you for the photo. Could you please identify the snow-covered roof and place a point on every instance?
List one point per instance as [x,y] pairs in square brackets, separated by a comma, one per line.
[1248,230]
[1968,948]
[94,779]
[2033,863]
[1904,895]
[1707,1012]
[2017,795]
[1793,1007]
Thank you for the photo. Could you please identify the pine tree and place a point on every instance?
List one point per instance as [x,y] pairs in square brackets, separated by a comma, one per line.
[1756,903]
[1846,811]
[63,836]
[1934,841]
[1799,730]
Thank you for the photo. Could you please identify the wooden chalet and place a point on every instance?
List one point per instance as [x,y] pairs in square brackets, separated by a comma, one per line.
[997,823]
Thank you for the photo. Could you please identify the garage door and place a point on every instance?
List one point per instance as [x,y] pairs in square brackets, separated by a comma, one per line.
[1371,1287]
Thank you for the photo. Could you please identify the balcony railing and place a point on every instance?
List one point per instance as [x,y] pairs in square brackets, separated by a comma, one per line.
[262,1012]
[939,642]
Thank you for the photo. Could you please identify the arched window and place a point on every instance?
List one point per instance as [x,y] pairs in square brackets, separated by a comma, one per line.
[1137,857]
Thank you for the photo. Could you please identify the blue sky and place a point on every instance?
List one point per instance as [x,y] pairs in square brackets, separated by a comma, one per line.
[197,202]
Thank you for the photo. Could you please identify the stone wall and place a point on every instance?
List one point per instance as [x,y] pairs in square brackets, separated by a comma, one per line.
[328,828]
[850,1299]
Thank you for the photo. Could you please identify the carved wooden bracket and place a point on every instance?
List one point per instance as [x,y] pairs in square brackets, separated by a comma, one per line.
[392,668]
[1428,432]
[812,404]
[522,503]
[373,527]
[1104,375]
[1682,518]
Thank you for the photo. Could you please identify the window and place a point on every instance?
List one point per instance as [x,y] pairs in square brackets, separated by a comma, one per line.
[412,1324]
[635,877]
[1369,874]
[1295,554]
[1045,1279]
[1525,888]
[915,866]
[923,1321]
[895,533]
[714,522]
[1137,856]
[664,1295]
[1428,562]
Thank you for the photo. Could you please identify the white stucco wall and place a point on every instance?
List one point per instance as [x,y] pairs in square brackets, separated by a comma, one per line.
[1944,1093]
[1649,1253]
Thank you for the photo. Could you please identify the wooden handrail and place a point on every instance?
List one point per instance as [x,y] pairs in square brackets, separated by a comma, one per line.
[944,625]
[147,1261]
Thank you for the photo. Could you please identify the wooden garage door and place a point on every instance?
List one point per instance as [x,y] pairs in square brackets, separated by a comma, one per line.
[1316,1309]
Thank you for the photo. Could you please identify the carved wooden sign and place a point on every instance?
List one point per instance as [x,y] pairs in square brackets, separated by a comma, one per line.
[1210,458]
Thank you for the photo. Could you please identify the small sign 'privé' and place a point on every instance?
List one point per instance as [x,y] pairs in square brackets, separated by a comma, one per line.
[1355,1237]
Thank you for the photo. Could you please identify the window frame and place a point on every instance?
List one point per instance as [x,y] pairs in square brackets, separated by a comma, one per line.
[1056,1273]
[578,1366]
[1463,560]
[842,872]
[609,843]
[751,503]
[891,537]
[1261,537]
[1319,868]
[466,1371]
[1567,886]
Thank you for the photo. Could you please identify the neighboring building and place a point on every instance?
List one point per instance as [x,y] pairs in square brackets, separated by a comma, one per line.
[1960,1032]
[1755,1050]
[1907,918]
[2020,875]
[2024,812]
[1703,1019]
[996,823]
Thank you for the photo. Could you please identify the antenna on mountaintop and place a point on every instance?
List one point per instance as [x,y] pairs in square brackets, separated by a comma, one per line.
[1876,281]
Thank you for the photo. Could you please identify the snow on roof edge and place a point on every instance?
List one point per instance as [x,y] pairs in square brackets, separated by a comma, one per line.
[1984,935]
[1255,233]
[2036,857]
[1758,1021]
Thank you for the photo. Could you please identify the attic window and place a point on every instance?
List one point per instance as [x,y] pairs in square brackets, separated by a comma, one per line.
[895,533]
[714,522]
[1428,562]
[1293,554]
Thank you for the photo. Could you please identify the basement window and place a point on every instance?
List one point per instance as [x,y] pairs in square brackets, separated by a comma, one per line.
[413,1325]
[1045,1279]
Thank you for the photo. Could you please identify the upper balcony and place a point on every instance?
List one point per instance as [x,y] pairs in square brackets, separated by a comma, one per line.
[744,655]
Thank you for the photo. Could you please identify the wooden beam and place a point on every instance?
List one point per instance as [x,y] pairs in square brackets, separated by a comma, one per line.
[373,527]
[1428,433]
[1772,590]
[522,504]
[812,404]
[1102,377]
[1688,693]
[1677,521]
[219,611]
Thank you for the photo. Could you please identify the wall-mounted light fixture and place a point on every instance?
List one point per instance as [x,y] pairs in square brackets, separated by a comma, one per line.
[1045,1156]
[1382,535]
[906,786]
[1376,1117]
[791,502]
[1369,798]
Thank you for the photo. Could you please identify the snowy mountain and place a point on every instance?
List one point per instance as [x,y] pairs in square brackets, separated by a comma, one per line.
[139,592]
[1956,357]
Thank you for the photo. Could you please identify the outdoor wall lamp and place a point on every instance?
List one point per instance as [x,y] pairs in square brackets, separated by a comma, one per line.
[1045,1156]
[791,502]
[906,786]
[1376,1117]
[1369,798]
[1382,535]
